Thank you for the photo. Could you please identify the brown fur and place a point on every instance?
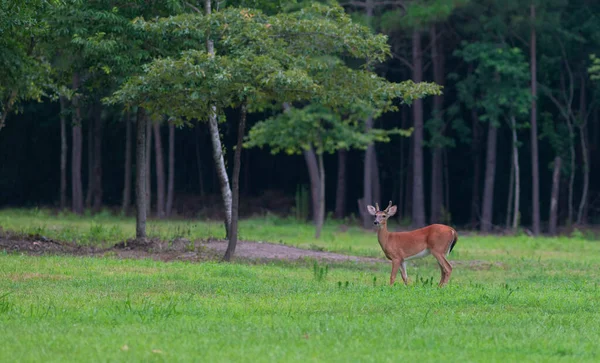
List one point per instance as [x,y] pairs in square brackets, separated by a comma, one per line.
[439,239]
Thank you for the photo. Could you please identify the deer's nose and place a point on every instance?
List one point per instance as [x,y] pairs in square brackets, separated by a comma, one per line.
[375,222]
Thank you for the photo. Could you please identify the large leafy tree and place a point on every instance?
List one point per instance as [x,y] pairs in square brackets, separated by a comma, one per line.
[337,127]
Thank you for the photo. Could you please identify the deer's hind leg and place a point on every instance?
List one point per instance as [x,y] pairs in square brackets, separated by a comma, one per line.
[445,267]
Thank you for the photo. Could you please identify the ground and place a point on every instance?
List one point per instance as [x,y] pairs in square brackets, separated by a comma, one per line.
[75,289]
[178,249]
[185,250]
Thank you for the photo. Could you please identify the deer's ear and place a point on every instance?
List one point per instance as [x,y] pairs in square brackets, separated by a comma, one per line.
[371,210]
[392,210]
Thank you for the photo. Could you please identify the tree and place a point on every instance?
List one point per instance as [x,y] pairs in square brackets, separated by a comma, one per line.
[140,174]
[216,142]
[554,132]
[171,177]
[535,175]
[126,201]
[63,152]
[160,171]
[76,185]
[340,196]
[498,79]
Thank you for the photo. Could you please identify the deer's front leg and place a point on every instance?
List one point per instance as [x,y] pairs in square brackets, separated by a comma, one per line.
[395,265]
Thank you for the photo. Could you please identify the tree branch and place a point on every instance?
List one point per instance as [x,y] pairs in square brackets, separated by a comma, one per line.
[403,60]
[555,101]
[194,8]
[568,100]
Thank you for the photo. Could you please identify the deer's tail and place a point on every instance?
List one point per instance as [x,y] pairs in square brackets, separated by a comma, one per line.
[454,240]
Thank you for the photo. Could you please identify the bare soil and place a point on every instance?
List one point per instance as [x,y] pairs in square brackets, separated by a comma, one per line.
[179,249]
[195,251]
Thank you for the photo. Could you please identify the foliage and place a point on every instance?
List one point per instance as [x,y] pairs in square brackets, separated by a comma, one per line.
[594,69]
[316,127]
[557,135]
[23,72]
[263,61]
[420,14]
[498,87]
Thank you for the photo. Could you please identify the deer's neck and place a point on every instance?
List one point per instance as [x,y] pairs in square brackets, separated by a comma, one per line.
[383,235]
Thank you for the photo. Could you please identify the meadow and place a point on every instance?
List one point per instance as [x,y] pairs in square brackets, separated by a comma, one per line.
[511,298]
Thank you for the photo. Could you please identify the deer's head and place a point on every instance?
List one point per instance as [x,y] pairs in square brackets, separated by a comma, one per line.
[382,216]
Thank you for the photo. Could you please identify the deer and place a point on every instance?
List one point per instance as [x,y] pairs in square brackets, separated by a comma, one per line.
[399,247]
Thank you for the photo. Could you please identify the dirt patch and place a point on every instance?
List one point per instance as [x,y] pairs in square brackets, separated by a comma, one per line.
[271,251]
[195,251]
[179,249]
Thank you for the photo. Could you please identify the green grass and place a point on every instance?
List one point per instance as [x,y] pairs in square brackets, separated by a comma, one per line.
[106,229]
[526,299]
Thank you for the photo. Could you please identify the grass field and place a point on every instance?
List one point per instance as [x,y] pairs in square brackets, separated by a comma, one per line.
[509,299]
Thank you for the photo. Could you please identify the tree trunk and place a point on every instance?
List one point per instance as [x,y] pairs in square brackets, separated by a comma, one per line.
[148,166]
[235,182]
[476,152]
[171,179]
[246,187]
[584,153]
[436,186]
[402,174]
[141,180]
[554,196]
[595,132]
[511,189]
[63,152]
[313,173]
[216,142]
[408,190]
[160,172]
[490,177]
[127,177]
[572,171]
[321,196]
[90,164]
[76,186]
[516,216]
[97,144]
[340,197]
[418,204]
[367,198]
[535,178]
[438,103]
[376,182]
[199,161]
[447,188]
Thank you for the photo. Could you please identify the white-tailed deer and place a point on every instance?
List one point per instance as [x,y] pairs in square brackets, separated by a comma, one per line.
[399,247]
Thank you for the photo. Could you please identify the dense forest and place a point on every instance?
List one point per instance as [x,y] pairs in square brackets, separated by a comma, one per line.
[482,114]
